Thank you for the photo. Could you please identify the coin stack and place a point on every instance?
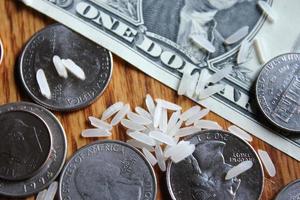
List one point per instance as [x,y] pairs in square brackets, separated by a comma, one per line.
[32,149]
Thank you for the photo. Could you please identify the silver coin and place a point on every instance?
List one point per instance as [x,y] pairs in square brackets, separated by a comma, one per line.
[290,192]
[53,164]
[70,93]
[278,91]
[108,170]
[25,144]
[202,175]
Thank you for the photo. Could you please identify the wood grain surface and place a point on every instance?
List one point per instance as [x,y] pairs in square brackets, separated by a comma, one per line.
[18,23]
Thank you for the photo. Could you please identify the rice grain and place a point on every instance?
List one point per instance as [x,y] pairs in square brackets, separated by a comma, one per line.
[43,83]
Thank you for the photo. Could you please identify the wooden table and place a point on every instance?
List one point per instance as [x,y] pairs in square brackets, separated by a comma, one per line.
[18,23]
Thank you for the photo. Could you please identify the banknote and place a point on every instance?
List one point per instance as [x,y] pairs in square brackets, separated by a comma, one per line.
[153,35]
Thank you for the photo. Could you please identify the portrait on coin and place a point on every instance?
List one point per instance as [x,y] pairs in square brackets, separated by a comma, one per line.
[22,140]
[101,180]
[209,169]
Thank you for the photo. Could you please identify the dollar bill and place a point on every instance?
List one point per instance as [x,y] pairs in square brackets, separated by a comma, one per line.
[153,35]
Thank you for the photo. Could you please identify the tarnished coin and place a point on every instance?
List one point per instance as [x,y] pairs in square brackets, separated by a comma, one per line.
[55,161]
[108,170]
[278,91]
[25,144]
[202,175]
[70,93]
[290,192]
[1,51]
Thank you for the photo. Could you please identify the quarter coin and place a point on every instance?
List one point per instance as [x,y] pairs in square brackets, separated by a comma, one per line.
[108,170]
[67,94]
[49,172]
[202,175]
[278,91]
[290,192]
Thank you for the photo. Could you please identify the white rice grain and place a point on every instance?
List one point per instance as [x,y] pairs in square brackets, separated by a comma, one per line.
[184,83]
[238,35]
[243,51]
[99,123]
[240,133]
[175,149]
[219,75]
[164,121]
[266,160]
[260,50]
[239,169]
[150,127]
[186,152]
[162,137]
[207,124]
[51,192]
[267,9]
[143,138]
[129,131]
[175,128]
[149,156]
[43,83]
[193,84]
[150,104]
[186,131]
[173,120]
[120,115]
[211,90]
[74,68]
[140,145]
[157,115]
[168,105]
[113,109]
[95,132]
[143,112]
[197,116]
[202,42]
[202,81]
[132,125]
[160,158]
[59,66]
[41,195]
[139,119]
[190,112]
